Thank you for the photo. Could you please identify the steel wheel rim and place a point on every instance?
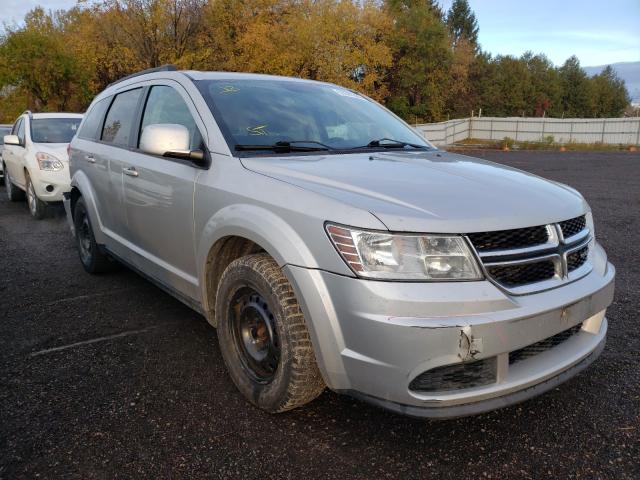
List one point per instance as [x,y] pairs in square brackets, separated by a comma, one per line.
[31,198]
[254,335]
[84,238]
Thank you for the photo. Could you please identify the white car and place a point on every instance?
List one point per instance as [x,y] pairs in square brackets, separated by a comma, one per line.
[35,158]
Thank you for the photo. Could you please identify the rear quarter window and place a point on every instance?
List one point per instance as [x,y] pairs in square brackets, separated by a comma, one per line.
[92,125]
[117,126]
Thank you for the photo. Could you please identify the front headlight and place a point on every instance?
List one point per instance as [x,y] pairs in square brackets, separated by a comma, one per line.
[404,257]
[48,162]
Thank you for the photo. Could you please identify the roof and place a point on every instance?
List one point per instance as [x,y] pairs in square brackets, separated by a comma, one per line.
[57,115]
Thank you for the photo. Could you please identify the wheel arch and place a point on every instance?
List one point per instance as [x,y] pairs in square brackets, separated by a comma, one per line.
[240,230]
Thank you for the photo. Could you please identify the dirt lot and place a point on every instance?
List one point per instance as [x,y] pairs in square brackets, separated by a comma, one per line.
[152,399]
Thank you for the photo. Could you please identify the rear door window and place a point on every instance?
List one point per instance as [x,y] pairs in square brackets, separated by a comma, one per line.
[120,119]
[90,129]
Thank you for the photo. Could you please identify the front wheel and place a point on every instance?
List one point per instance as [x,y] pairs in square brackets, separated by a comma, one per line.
[263,336]
[37,207]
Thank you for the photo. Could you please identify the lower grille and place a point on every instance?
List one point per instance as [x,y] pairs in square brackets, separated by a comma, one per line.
[542,346]
[456,377]
[518,274]
[577,259]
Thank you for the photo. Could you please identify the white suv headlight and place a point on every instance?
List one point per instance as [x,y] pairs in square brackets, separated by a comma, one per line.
[405,257]
[48,162]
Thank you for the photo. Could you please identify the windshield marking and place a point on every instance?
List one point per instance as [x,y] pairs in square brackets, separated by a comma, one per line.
[259,130]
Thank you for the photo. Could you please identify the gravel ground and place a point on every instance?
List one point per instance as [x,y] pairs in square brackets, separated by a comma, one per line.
[154,400]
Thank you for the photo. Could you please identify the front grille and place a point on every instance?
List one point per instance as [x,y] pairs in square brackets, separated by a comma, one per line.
[571,227]
[509,239]
[542,346]
[456,377]
[517,274]
[578,258]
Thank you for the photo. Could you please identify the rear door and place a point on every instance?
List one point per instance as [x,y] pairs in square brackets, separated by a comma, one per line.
[109,155]
[88,156]
[158,193]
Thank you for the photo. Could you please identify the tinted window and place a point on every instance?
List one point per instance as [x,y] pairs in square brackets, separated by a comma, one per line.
[93,120]
[117,125]
[14,130]
[20,131]
[165,105]
[54,130]
[257,112]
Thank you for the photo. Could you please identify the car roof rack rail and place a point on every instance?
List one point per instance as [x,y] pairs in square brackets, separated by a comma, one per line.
[28,112]
[163,68]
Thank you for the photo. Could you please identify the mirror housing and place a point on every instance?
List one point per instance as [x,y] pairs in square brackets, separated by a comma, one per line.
[11,140]
[162,138]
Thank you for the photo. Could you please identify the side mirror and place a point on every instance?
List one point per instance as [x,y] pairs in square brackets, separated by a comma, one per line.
[11,140]
[160,138]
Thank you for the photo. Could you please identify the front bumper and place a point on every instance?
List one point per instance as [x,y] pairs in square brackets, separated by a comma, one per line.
[51,186]
[373,338]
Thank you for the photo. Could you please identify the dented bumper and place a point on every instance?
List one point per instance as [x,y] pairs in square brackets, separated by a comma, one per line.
[373,338]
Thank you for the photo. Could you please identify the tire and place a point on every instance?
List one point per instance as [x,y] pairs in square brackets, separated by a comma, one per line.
[37,208]
[13,193]
[258,314]
[92,258]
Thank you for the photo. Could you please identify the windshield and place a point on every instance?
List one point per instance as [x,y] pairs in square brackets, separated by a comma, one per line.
[265,112]
[54,130]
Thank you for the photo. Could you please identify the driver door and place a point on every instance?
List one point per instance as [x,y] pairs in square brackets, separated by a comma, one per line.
[158,195]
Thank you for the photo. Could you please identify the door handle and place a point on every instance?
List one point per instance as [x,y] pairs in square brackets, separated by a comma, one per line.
[90,159]
[131,171]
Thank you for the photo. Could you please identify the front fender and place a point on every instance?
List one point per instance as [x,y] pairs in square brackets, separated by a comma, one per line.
[262,227]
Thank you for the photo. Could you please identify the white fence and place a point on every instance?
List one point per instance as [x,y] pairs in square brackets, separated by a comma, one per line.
[533,129]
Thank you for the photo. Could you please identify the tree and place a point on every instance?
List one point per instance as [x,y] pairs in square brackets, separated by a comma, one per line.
[577,99]
[610,94]
[462,23]
[422,56]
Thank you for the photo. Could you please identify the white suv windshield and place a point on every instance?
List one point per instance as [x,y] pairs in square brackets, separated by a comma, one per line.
[54,130]
[265,112]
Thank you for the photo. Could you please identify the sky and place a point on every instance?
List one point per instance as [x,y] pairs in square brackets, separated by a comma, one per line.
[598,32]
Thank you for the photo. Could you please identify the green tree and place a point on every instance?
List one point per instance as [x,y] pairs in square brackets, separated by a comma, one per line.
[610,94]
[422,55]
[577,98]
[462,23]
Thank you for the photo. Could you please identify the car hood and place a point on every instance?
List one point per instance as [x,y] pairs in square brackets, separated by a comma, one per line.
[58,150]
[433,191]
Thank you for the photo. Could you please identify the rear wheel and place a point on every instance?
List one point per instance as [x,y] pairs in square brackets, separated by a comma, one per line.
[263,336]
[37,207]
[13,193]
[92,258]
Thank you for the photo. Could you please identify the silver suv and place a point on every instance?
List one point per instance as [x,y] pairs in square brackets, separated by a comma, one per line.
[331,245]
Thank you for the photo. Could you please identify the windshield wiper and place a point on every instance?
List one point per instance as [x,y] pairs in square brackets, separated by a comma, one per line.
[287,146]
[391,143]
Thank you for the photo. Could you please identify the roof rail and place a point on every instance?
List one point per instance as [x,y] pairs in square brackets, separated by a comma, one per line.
[27,112]
[163,68]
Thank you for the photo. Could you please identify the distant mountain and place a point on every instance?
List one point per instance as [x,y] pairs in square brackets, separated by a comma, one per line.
[627,71]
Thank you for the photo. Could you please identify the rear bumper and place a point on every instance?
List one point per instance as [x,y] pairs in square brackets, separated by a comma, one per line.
[372,338]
